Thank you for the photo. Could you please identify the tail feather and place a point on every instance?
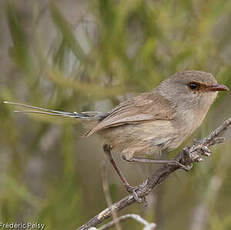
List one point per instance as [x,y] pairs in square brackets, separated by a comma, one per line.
[90,115]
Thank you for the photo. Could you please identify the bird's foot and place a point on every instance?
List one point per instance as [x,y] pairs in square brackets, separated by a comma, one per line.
[182,166]
[185,167]
[202,149]
[194,154]
[133,191]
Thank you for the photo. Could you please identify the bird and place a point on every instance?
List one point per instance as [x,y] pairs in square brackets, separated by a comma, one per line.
[150,123]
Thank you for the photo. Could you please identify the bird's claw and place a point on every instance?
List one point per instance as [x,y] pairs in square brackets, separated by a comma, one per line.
[186,167]
[177,163]
[133,190]
[203,149]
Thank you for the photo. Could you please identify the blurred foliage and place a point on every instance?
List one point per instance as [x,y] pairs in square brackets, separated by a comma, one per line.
[87,55]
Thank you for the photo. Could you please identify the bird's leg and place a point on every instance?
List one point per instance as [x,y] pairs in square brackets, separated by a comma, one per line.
[129,188]
[107,150]
[146,160]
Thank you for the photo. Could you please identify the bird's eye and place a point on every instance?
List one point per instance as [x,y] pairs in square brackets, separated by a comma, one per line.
[193,85]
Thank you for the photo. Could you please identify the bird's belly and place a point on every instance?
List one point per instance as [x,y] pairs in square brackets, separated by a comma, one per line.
[145,139]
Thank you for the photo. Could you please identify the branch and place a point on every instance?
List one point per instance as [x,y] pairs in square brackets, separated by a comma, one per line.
[148,226]
[186,157]
[139,219]
[115,218]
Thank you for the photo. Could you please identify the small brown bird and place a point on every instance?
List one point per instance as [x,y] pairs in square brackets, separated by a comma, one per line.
[153,122]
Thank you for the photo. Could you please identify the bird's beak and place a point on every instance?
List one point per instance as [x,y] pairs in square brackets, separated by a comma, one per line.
[218,88]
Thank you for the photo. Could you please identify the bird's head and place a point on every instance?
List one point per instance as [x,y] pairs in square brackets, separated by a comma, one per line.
[191,89]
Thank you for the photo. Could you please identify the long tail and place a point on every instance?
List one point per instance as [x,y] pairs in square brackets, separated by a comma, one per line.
[89,115]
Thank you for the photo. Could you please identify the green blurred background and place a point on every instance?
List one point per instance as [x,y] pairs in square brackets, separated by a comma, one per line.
[79,55]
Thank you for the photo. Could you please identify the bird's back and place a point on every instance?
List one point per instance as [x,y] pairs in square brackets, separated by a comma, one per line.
[143,108]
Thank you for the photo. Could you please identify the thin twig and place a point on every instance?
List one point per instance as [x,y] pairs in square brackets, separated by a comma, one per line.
[148,226]
[108,197]
[187,157]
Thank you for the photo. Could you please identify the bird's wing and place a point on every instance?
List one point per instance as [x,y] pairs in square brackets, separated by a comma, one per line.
[145,107]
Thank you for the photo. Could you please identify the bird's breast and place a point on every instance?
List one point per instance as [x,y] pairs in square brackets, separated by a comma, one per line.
[188,121]
[143,139]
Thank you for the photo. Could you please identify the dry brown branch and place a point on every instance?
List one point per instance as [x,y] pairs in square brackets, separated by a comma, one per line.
[187,157]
